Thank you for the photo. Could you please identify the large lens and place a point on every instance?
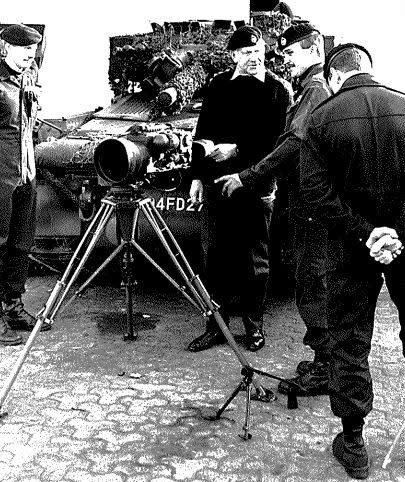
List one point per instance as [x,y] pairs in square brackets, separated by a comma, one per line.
[120,161]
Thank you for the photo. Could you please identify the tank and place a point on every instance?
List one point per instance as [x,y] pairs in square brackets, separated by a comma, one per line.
[144,137]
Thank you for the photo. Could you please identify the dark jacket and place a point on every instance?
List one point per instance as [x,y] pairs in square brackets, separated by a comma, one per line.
[242,111]
[283,161]
[17,117]
[353,160]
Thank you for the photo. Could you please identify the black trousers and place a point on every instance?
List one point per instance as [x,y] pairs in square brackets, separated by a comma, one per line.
[237,241]
[310,247]
[17,232]
[353,289]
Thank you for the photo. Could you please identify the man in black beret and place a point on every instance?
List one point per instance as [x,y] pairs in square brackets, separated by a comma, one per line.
[242,115]
[18,108]
[353,180]
[302,47]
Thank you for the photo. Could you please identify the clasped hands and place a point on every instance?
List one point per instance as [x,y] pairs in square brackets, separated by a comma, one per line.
[384,245]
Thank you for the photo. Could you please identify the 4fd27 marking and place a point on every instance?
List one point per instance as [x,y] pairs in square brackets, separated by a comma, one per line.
[172,203]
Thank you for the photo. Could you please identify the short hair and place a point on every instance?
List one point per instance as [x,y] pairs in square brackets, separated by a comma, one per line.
[349,60]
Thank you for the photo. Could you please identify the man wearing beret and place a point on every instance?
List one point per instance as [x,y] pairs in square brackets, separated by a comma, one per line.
[302,46]
[353,179]
[18,108]
[242,116]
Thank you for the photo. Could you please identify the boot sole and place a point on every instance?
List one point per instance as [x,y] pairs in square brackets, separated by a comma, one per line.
[11,343]
[359,473]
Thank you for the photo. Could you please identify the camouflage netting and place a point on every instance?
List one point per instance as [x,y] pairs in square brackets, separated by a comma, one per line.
[132,56]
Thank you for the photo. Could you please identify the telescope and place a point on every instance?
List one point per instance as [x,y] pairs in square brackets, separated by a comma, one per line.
[122,161]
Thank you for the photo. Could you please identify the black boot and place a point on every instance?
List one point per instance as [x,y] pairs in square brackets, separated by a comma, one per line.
[7,337]
[348,448]
[305,366]
[255,338]
[314,382]
[211,337]
[18,318]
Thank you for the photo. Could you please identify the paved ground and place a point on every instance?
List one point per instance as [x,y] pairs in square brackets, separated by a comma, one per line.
[90,407]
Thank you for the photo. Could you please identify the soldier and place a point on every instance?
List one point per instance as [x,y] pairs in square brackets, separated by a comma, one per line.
[353,179]
[18,107]
[302,47]
[242,116]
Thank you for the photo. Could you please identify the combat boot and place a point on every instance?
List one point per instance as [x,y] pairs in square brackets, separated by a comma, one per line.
[255,338]
[7,337]
[349,449]
[211,337]
[18,318]
[314,382]
[305,366]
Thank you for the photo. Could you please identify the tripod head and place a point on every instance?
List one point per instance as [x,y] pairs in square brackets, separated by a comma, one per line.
[125,193]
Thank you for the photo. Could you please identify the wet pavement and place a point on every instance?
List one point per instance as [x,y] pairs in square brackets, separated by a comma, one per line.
[91,407]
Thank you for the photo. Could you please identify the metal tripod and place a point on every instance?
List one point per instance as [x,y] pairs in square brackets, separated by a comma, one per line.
[127,202]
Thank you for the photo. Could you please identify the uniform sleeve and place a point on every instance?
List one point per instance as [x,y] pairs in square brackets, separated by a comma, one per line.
[206,127]
[318,192]
[280,162]
[285,158]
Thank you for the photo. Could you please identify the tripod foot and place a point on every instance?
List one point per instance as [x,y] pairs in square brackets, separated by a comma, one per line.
[3,414]
[265,395]
[129,337]
[292,402]
[210,414]
[245,436]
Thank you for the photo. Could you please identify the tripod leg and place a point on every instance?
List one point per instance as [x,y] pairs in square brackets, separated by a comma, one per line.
[127,271]
[229,400]
[81,289]
[108,211]
[246,435]
[17,367]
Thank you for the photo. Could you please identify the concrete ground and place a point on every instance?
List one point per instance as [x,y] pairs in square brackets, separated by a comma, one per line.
[90,407]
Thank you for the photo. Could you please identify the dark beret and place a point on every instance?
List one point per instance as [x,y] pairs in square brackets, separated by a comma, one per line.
[21,35]
[282,7]
[337,50]
[245,36]
[295,33]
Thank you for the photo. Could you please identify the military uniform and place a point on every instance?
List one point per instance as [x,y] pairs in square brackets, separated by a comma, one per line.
[250,114]
[353,177]
[18,111]
[309,236]
[17,178]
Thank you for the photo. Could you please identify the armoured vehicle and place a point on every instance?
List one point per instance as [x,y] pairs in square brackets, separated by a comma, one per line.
[143,137]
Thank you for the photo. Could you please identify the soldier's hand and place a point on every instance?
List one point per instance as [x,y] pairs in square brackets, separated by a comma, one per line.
[377,233]
[196,192]
[231,182]
[386,249]
[222,152]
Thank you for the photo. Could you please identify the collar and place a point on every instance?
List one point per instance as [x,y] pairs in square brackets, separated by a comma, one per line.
[359,80]
[6,72]
[306,76]
[260,75]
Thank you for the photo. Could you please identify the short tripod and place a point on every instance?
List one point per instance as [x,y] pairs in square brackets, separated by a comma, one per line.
[127,202]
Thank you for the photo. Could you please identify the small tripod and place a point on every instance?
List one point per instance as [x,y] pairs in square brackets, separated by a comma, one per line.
[127,202]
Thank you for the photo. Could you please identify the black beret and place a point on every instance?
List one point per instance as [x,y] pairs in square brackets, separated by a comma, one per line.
[245,36]
[337,50]
[21,35]
[295,33]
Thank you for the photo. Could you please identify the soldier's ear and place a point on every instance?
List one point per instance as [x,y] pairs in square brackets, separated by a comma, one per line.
[234,56]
